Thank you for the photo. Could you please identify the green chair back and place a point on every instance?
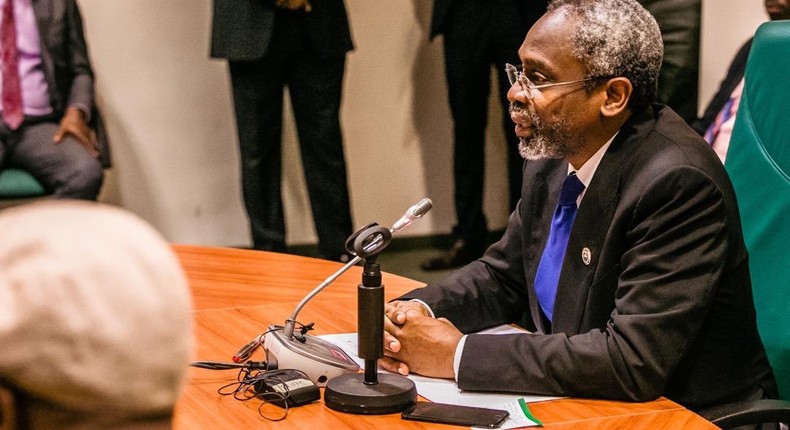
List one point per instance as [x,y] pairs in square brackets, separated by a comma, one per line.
[758,161]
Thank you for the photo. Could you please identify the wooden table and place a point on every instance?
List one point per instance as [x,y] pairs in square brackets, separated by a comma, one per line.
[237,294]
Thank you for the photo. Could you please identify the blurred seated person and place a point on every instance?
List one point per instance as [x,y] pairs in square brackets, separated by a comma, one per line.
[95,321]
[716,123]
[47,99]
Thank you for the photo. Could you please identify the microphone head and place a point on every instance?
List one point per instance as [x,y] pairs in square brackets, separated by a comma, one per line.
[422,207]
[412,214]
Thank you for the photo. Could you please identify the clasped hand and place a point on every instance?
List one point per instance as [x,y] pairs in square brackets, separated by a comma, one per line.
[416,342]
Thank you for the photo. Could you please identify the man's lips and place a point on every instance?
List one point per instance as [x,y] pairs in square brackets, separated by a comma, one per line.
[524,130]
[524,126]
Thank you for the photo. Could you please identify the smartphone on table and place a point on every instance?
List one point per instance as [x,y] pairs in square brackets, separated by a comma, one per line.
[454,414]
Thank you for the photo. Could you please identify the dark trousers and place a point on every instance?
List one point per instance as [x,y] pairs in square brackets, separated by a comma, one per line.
[678,88]
[315,86]
[64,169]
[477,36]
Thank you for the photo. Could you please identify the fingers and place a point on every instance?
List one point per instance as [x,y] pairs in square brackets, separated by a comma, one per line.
[91,148]
[81,134]
[396,315]
[73,123]
[390,341]
[398,310]
[395,312]
[392,365]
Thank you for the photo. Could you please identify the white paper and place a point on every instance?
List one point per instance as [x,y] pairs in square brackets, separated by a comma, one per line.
[444,390]
[516,419]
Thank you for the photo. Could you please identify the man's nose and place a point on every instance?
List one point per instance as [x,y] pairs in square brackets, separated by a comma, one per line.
[517,94]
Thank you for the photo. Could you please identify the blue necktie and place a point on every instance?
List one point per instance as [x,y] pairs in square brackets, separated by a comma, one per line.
[548,275]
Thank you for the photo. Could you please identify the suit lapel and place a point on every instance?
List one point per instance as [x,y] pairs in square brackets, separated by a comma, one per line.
[589,233]
[537,210]
[43,9]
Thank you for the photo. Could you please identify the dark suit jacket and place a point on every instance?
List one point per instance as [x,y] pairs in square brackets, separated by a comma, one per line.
[242,29]
[734,75]
[663,304]
[64,58]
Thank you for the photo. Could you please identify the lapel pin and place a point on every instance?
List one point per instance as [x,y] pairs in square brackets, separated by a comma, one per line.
[586,256]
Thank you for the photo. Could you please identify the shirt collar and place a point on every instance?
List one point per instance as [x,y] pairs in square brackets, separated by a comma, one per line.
[586,172]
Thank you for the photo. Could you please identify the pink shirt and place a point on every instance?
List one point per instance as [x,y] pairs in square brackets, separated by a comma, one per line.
[35,97]
[722,141]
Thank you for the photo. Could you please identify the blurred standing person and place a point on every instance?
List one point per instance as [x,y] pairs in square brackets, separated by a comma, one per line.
[301,44]
[679,21]
[478,35]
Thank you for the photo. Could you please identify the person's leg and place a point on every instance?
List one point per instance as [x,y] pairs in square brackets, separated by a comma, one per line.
[678,88]
[65,169]
[468,82]
[468,68]
[510,21]
[679,22]
[315,87]
[257,97]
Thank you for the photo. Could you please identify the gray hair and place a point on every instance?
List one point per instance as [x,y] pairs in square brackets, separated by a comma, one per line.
[617,38]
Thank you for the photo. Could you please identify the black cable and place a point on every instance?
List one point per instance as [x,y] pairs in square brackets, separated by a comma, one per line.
[244,389]
[256,372]
[222,365]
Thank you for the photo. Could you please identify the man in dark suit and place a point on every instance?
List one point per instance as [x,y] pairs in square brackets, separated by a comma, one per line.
[652,295]
[302,45]
[51,137]
[477,35]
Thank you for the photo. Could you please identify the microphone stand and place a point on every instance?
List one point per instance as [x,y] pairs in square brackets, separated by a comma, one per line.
[372,240]
[370,393]
[323,361]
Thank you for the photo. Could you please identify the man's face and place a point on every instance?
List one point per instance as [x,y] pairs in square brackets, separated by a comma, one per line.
[778,9]
[551,121]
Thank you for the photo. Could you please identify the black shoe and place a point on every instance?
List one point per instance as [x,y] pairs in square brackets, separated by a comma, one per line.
[461,253]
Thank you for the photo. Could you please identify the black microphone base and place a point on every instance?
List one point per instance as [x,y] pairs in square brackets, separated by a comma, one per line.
[349,393]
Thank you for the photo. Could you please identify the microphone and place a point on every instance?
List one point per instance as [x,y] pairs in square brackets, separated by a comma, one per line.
[412,214]
[320,359]
[372,239]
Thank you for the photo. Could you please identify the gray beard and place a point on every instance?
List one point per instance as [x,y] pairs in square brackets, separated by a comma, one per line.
[538,147]
[549,140]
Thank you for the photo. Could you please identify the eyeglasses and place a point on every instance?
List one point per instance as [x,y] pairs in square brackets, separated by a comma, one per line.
[515,75]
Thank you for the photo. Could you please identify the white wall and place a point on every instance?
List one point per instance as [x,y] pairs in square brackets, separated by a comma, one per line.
[168,109]
[169,114]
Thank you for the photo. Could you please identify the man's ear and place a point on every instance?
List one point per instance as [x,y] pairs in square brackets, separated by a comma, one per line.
[618,93]
[8,411]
